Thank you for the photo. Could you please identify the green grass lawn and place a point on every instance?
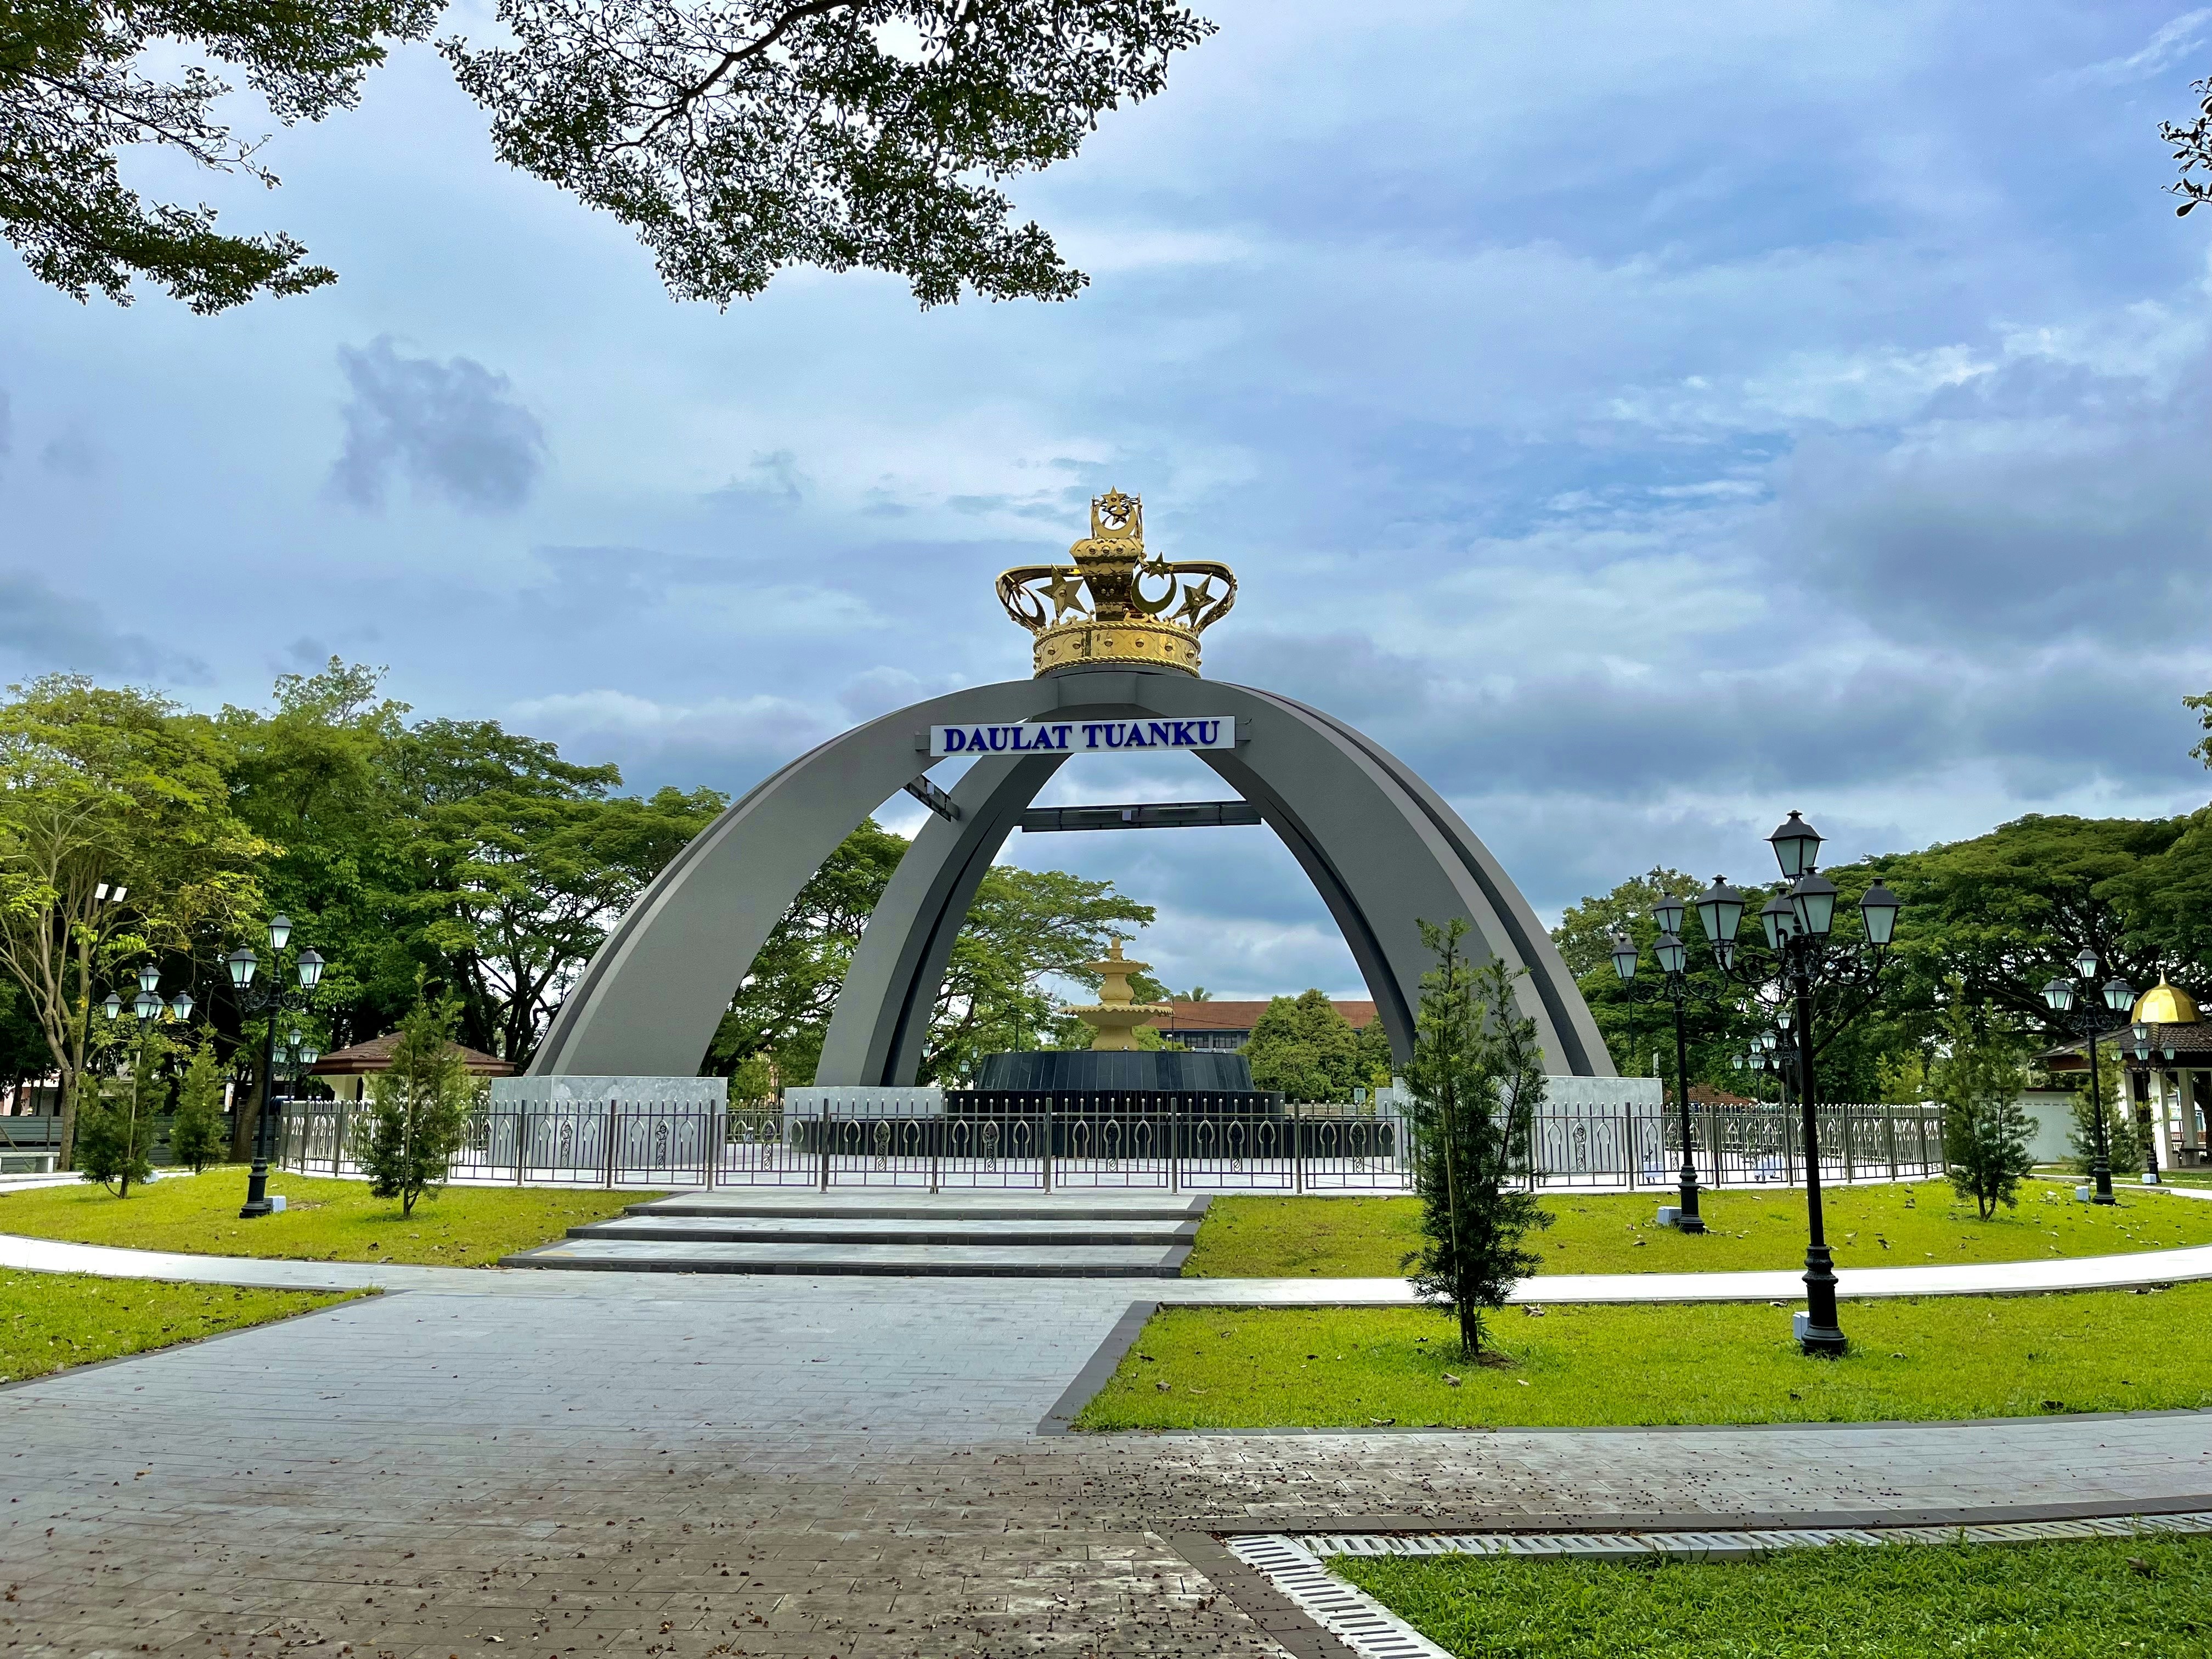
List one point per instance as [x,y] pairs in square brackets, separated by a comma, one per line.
[1921,1358]
[2148,1597]
[325,1220]
[1899,1226]
[50,1322]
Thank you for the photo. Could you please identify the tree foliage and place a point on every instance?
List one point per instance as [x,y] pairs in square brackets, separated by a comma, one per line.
[1979,1079]
[81,80]
[417,1115]
[1477,1078]
[115,1142]
[2193,148]
[102,788]
[739,137]
[1302,1047]
[196,1138]
[735,137]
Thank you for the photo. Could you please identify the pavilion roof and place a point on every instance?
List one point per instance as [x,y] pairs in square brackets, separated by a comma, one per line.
[374,1055]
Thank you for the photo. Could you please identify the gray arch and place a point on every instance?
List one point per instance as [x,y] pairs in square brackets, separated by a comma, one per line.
[1382,847]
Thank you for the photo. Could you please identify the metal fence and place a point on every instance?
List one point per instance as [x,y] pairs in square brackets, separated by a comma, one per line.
[1044,1143]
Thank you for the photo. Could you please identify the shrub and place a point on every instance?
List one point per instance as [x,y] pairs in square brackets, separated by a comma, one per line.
[1978,1079]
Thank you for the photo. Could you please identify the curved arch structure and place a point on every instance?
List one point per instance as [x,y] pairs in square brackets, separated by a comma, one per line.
[1382,847]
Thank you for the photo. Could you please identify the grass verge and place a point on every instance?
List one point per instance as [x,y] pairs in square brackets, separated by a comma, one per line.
[1895,1226]
[50,1322]
[2148,1597]
[1917,1358]
[325,1220]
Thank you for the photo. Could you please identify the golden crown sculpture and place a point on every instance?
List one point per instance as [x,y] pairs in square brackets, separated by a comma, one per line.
[1096,610]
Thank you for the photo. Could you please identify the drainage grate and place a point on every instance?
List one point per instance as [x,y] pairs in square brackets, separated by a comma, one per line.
[1353,1616]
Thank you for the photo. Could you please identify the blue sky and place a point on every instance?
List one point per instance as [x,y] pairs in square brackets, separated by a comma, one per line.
[1644,418]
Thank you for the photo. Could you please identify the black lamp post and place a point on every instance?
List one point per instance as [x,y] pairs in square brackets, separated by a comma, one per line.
[1801,960]
[273,999]
[2082,1018]
[1673,965]
[148,1006]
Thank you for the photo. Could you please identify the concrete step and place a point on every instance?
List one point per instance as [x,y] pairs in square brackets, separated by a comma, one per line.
[994,1261]
[1027,1232]
[807,1205]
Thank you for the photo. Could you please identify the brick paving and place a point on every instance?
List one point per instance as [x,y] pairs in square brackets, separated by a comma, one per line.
[815,1467]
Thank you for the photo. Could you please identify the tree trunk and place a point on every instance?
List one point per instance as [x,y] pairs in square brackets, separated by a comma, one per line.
[244,1120]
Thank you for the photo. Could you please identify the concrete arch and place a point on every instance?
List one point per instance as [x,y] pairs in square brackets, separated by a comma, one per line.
[1382,849]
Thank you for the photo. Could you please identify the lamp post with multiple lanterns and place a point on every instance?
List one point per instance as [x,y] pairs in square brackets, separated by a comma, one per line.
[2081,1017]
[1673,965]
[1802,960]
[274,999]
[148,1006]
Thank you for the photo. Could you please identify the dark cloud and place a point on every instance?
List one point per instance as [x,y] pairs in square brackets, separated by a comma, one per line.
[43,631]
[2042,501]
[451,429]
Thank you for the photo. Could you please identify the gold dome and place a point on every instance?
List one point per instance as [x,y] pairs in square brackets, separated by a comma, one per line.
[2166,1004]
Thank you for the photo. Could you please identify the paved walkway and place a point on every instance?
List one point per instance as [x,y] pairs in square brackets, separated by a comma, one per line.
[694,1465]
[834,1466]
[1985,1278]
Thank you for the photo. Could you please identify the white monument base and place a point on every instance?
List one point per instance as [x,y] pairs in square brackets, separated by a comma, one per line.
[668,1091]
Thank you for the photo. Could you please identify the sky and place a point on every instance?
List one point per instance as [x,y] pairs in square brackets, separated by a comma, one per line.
[1643,418]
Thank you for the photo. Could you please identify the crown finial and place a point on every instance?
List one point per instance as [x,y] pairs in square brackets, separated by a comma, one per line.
[1117,604]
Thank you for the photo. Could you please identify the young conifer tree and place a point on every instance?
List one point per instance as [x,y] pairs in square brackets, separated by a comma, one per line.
[1477,1078]
[418,1113]
[1978,1080]
[195,1134]
[115,1142]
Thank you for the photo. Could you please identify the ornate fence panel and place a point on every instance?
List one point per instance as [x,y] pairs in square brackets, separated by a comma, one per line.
[1044,1143]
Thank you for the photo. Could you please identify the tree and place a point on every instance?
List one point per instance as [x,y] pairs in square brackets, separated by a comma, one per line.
[2123,1145]
[195,1136]
[116,1144]
[523,862]
[781,1012]
[1979,1079]
[2193,147]
[736,137]
[80,79]
[418,1112]
[1303,1048]
[1477,1078]
[101,789]
[741,137]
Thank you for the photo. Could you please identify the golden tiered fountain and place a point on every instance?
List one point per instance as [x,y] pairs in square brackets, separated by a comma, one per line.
[1117,1014]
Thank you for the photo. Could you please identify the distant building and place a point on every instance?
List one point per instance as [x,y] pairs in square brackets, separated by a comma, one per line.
[2174,1082]
[1228,1024]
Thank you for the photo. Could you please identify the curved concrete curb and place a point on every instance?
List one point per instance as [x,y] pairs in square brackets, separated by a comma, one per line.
[2141,1270]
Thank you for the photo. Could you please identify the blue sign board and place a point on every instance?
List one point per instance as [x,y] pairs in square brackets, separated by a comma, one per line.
[1082,737]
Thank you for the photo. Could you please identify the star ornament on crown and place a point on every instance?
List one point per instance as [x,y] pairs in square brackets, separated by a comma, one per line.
[1117,604]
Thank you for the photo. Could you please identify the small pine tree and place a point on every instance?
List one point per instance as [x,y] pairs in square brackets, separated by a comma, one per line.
[1985,1133]
[2121,1138]
[115,1139]
[195,1134]
[1477,1078]
[418,1113]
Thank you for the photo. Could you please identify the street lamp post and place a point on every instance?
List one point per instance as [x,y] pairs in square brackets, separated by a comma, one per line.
[273,999]
[2081,1018]
[1674,963]
[2146,1039]
[1801,960]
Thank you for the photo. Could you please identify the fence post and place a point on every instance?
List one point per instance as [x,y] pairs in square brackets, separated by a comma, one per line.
[1628,1145]
[717,1130]
[1298,1148]
[937,1128]
[1174,1145]
[611,1109]
[821,1140]
[338,1147]
[1843,1117]
[1889,1135]
[1045,1152]
[522,1134]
